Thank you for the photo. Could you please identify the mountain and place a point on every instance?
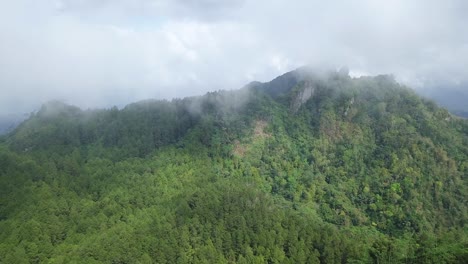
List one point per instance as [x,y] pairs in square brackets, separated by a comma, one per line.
[453,98]
[461,113]
[311,167]
[9,122]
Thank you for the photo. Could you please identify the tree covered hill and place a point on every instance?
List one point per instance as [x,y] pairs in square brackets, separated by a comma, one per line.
[308,168]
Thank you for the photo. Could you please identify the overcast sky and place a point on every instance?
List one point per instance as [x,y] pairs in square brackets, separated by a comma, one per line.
[99,53]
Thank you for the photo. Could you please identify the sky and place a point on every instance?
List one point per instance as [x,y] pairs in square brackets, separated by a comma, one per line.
[100,53]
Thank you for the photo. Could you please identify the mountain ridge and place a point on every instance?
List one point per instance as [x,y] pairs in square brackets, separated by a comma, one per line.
[306,168]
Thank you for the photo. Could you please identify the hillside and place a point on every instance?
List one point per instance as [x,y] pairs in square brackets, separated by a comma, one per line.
[308,168]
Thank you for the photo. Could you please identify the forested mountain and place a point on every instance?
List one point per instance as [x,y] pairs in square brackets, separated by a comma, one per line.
[308,168]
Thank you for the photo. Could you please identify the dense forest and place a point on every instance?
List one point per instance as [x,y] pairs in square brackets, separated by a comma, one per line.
[307,168]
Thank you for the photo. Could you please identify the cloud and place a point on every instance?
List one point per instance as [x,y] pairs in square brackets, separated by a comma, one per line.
[103,53]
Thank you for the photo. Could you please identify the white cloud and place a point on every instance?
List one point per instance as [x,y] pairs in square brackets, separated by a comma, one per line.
[100,53]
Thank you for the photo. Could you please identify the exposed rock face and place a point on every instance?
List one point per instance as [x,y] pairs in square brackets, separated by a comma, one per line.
[304,94]
[351,102]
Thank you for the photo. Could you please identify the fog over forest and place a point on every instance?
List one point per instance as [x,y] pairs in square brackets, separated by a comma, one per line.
[104,53]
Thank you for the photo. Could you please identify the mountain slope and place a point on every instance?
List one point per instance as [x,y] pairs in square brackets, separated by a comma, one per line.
[308,168]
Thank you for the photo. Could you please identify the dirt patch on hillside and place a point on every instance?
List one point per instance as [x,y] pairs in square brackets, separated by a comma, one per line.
[259,130]
[240,149]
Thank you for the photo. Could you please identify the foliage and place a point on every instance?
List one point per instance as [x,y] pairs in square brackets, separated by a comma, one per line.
[364,171]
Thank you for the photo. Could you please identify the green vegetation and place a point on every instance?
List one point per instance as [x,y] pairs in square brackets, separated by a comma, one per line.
[363,171]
